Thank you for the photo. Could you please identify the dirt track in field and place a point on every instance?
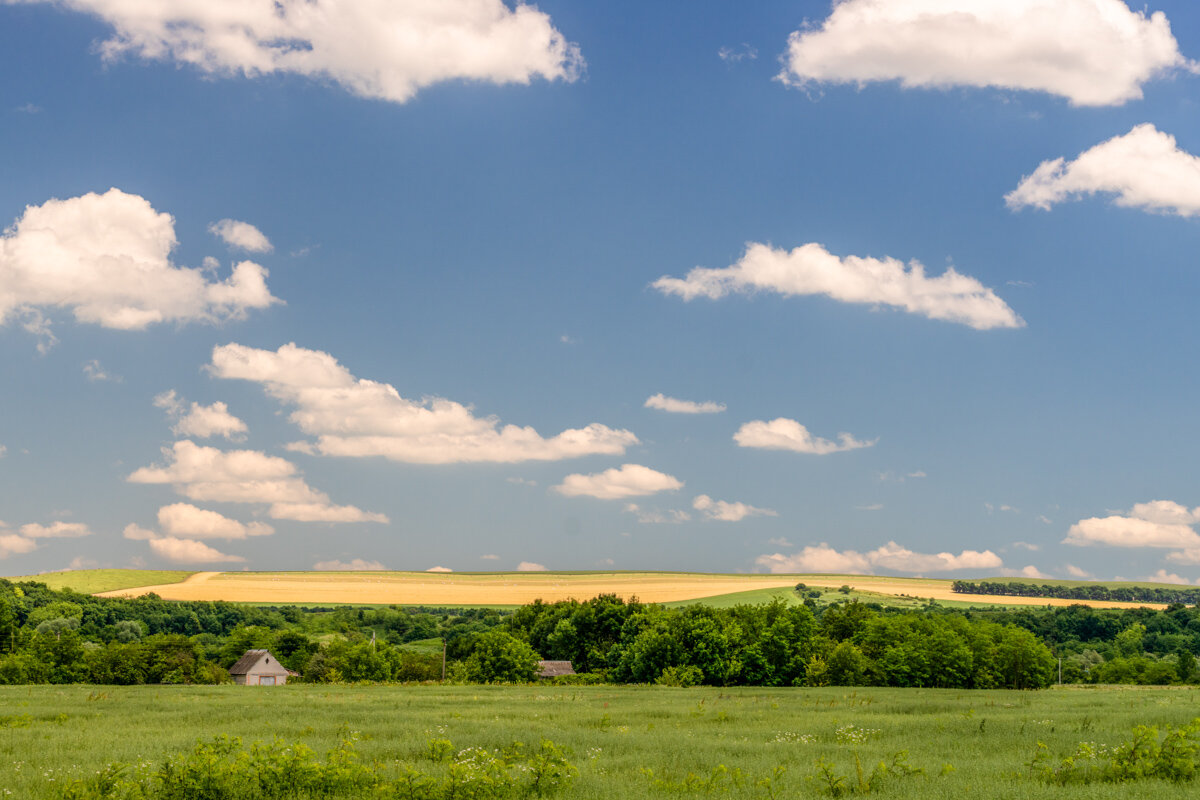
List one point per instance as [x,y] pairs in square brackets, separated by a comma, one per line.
[432,588]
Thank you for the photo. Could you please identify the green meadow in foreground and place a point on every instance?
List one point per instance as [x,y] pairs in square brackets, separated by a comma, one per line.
[626,742]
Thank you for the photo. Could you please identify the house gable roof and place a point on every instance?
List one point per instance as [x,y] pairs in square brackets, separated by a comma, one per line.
[252,657]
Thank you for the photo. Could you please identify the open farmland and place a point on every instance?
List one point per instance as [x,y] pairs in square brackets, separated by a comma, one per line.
[518,588]
[630,742]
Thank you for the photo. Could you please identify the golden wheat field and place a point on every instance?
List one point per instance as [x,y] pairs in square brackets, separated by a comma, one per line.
[517,588]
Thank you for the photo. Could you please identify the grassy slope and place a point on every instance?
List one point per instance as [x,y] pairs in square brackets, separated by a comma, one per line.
[90,581]
[614,733]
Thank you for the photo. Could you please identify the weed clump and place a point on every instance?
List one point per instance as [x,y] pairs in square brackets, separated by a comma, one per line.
[224,769]
[1170,755]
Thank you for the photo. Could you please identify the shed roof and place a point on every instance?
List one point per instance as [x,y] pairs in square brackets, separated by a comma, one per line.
[252,657]
[552,669]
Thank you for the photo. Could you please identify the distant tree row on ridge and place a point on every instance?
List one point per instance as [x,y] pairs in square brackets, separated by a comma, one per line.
[1091,591]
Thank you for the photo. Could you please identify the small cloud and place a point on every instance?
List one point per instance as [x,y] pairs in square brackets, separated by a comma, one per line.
[823,558]
[1020,284]
[241,235]
[29,108]
[200,421]
[490,557]
[605,562]
[354,565]
[1042,518]
[723,511]
[630,480]
[871,507]
[565,339]
[55,530]
[138,533]
[1076,572]
[530,566]
[735,55]
[787,434]
[674,406]
[83,562]
[439,569]
[991,509]
[1162,576]
[1025,572]
[3,450]
[95,372]
[1027,546]
[670,516]
[779,541]
[521,482]
[190,551]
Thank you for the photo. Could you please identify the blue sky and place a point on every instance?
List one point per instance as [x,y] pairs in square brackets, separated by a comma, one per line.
[486,216]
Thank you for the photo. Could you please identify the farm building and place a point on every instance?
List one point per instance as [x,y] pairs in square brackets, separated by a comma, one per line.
[260,668]
[553,669]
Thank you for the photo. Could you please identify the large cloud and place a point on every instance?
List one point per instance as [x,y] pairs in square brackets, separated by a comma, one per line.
[631,480]
[106,257]
[185,520]
[787,434]
[358,417]
[374,48]
[246,476]
[1144,169]
[823,558]
[1092,52]
[12,544]
[812,270]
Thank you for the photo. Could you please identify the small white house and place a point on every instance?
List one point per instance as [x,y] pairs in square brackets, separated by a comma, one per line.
[259,668]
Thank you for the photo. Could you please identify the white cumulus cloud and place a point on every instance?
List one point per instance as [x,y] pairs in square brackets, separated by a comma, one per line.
[723,511]
[1157,524]
[787,434]
[374,48]
[106,258]
[670,404]
[654,516]
[241,235]
[530,566]
[353,565]
[184,520]
[1092,52]
[137,533]
[207,474]
[356,417]
[1162,576]
[199,420]
[630,480]
[439,569]
[189,551]
[11,544]
[1144,169]
[812,270]
[55,530]
[823,558]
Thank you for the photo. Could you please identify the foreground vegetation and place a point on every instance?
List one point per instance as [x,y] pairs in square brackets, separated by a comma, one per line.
[628,742]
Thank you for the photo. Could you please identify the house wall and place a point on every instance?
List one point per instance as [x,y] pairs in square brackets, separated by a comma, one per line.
[274,669]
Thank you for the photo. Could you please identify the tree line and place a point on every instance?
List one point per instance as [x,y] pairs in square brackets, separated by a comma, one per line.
[1090,591]
[49,636]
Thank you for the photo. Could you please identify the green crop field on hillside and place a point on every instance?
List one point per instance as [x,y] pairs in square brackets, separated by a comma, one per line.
[627,742]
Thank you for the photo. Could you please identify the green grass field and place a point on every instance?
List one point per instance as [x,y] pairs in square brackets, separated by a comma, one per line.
[90,581]
[49,734]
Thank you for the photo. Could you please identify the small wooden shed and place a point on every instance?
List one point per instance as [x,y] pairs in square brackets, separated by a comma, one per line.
[259,668]
[553,669]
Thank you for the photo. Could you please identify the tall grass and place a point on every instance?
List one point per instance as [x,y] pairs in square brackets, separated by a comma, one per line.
[627,742]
